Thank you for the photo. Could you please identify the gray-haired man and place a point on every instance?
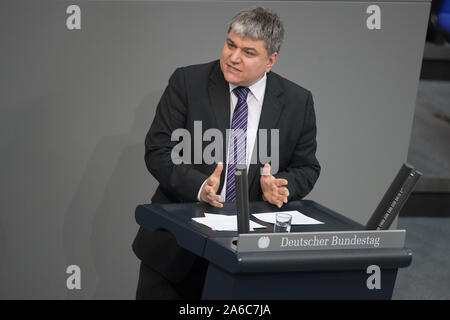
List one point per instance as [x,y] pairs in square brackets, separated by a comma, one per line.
[237,92]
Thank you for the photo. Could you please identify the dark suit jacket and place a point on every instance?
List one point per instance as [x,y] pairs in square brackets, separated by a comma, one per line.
[200,93]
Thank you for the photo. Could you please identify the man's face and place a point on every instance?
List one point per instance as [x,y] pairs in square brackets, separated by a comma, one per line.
[243,61]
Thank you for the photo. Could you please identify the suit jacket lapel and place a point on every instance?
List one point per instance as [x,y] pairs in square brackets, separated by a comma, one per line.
[270,113]
[220,104]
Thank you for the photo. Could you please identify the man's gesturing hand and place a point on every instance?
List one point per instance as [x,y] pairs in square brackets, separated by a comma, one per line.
[209,190]
[273,189]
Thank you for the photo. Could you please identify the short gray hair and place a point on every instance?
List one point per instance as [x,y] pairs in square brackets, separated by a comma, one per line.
[259,24]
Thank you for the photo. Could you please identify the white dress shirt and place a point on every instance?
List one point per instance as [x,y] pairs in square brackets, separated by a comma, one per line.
[254,102]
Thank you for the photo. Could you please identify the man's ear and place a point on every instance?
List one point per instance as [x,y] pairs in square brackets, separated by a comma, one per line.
[271,61]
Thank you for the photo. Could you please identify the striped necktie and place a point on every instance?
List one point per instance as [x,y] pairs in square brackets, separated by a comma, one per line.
[238,140]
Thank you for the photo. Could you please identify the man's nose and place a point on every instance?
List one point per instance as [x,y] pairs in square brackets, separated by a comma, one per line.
[236,56]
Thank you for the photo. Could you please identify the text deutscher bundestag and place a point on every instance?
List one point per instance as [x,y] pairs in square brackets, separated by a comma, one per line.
[334,241]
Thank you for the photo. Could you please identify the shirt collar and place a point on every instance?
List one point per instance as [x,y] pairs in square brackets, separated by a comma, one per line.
[257,89]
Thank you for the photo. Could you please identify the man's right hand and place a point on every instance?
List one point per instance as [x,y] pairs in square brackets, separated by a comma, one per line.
[209,190]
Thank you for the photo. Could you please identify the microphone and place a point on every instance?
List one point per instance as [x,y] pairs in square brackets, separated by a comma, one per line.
[242,206]
[394,198]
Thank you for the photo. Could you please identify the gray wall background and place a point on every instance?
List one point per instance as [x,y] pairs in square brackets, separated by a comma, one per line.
[76,105]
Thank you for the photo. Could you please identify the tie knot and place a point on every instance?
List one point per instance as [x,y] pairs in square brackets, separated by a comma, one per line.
[241,92]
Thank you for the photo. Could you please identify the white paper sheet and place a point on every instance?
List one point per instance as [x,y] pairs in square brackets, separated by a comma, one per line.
[220,222]
[297,217]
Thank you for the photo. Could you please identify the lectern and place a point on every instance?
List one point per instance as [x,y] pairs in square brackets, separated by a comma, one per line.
[298,272]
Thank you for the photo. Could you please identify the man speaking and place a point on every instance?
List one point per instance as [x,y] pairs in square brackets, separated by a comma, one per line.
[237,93]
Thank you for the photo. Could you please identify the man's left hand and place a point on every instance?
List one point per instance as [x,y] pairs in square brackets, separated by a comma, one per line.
[274,190]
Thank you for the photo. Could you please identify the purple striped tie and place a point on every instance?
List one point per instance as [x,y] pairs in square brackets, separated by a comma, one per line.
[238,140]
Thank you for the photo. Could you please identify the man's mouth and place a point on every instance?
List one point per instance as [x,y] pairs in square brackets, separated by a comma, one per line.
[233,68]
